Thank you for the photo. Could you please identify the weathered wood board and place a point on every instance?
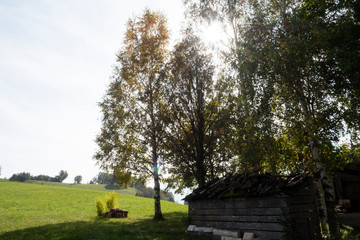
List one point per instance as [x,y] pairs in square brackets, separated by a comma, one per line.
[293,215]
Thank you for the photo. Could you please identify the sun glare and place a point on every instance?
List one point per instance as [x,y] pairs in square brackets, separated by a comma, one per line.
[214,34]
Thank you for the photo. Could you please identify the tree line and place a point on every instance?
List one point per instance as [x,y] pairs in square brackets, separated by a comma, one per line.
[25,176]
[112,182]
[141,190]
[287,92]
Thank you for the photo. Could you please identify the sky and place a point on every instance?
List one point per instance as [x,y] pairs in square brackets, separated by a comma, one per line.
[56,59]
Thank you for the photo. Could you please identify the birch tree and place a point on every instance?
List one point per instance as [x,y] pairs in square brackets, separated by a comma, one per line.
[132,126]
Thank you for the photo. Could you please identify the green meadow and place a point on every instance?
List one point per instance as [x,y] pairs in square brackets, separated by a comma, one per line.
[36,211]
[67,211]
[98,187]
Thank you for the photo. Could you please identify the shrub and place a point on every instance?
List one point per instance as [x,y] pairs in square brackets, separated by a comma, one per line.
[100,207]
[111,201]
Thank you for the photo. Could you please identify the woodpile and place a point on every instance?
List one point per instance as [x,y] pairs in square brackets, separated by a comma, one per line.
[246,185]
[222,234]
[116,213]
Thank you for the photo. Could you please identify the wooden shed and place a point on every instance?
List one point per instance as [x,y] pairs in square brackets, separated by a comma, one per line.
[347,186]
[271,207]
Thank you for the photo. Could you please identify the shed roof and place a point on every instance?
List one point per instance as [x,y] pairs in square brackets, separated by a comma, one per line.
[351,168]
[247,185]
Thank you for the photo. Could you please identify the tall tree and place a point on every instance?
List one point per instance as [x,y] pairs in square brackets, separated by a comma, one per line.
[341,46]
[290,47]
[78,179]
[255,132]
[196,116]
[62,175]
[132,125]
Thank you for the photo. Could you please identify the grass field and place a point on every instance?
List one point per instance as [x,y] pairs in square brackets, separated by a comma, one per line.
[35,211]
[97,187]
[61,212]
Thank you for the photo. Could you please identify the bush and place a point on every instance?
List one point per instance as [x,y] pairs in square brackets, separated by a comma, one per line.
[111,201]
[100,207]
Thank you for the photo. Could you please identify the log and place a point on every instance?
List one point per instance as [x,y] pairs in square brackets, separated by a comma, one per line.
[226,233]
[229,238]
[248,236]
[191,228]
[204,229]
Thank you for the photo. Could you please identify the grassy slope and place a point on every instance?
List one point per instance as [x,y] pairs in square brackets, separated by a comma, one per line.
[98,187]
[32,211]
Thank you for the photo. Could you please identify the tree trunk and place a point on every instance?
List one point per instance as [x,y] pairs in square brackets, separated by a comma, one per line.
[200,153]
[158,215]
[326,182]
[154,140]
[320,202]
[329,193]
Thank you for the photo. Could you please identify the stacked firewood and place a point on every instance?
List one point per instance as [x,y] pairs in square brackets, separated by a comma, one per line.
[246,185]
[116,213]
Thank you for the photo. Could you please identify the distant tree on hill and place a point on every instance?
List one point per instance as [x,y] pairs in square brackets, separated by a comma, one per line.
[170,196]
[24,176]
[113,183]
[108,179]
[148,192]
[20,177]
[136,183]
[42,178]
[104,178]
[62,176]
[53,179]
[93,181]
[78,179]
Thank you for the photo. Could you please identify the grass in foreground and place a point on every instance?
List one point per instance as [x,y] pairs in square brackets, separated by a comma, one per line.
[31,211]
[36,212]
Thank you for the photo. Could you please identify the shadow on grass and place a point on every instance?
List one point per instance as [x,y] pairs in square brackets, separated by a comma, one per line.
[172,228]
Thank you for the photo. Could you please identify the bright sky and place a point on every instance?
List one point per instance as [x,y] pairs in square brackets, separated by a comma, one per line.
[56,58]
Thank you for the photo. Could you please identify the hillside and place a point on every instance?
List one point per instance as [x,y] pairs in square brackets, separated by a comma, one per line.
[35,211]
[98,187]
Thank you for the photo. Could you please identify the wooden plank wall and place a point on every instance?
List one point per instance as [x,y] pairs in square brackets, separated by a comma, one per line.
[304,219]
[262,216]
[292,216]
